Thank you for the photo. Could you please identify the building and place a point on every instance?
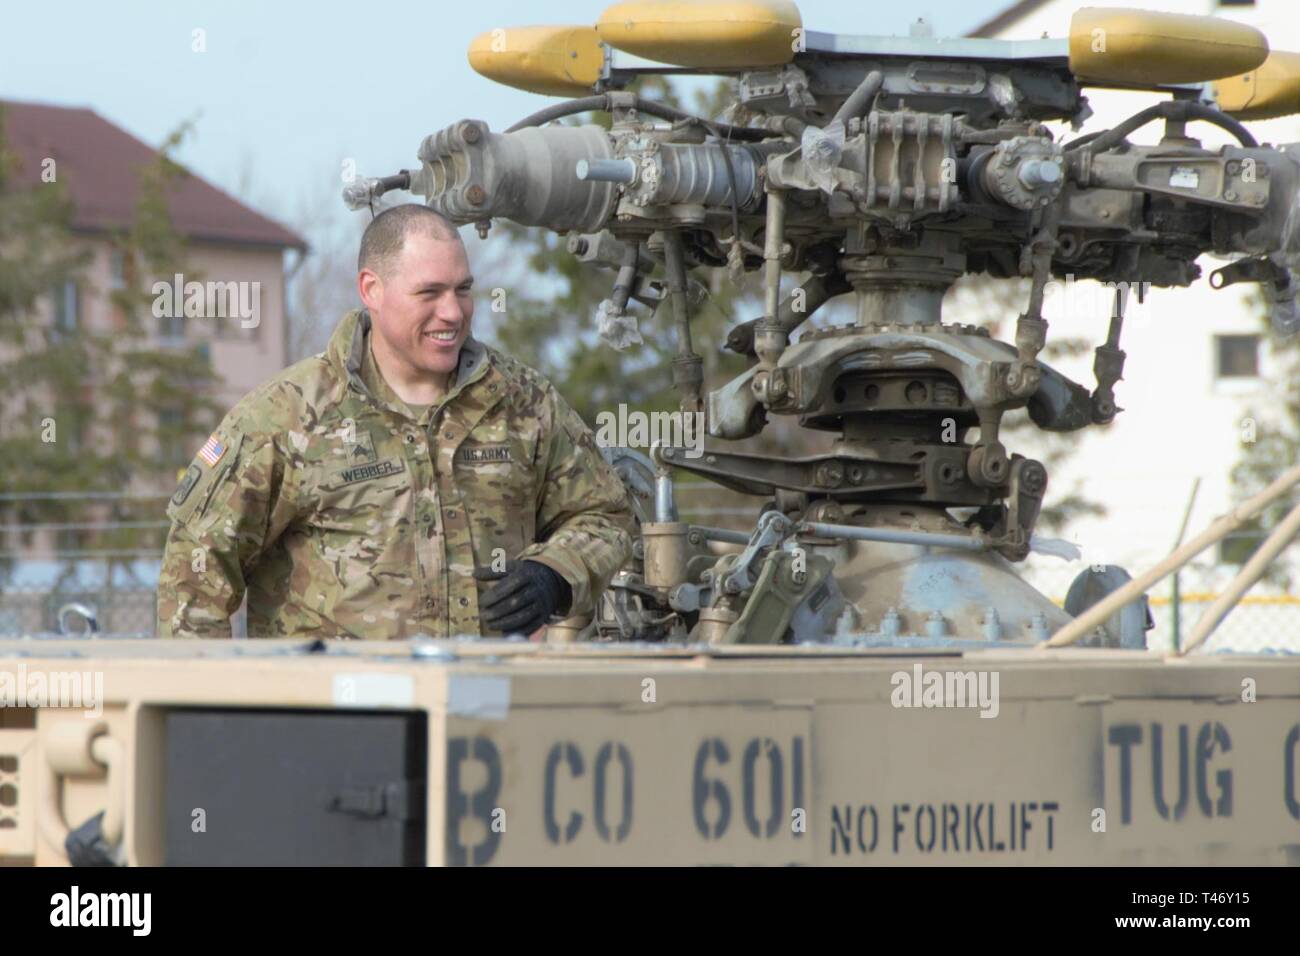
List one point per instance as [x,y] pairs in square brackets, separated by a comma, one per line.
[242,253]
[1200,372]
[227,241]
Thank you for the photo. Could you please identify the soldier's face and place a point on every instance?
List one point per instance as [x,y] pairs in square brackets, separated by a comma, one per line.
[423,309]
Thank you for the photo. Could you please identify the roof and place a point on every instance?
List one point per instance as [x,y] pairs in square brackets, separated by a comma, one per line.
[100,162]
[1007,18]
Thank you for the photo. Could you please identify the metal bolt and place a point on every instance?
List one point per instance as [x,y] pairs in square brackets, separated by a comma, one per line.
[1230,195]
[1039,172]
[1037,625]
[472,134]
[430,650]
[992,625]
[830,475]
[891,623]
[476,195]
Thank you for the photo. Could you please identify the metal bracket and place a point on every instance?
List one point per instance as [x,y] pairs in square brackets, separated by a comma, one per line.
[741,576]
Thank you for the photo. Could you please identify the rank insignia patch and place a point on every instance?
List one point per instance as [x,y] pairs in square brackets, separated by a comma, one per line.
[362,450]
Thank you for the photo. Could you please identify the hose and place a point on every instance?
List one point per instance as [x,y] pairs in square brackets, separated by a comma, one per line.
[1179,110]
[601,103]
[859,100]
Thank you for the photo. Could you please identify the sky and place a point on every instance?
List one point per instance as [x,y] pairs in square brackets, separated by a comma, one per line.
[284,93]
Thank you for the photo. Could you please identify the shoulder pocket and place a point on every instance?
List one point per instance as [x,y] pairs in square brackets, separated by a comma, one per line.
[201,480]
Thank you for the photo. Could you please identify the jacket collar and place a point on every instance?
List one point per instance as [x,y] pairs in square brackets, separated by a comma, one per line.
[347,348]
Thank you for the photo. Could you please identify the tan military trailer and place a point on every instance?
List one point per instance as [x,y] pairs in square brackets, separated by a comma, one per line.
[863,677]
[498,752]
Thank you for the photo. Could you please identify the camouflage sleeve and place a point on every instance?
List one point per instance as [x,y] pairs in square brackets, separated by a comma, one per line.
[584,517]
[229,506]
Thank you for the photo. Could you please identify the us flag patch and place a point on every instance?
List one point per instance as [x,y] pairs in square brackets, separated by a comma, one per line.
[212,451]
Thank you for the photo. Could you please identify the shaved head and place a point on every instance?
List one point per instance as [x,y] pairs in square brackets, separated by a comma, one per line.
[415,280]
[384,238]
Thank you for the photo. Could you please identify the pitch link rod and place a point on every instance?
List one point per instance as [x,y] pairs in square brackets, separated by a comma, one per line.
[721,534]
[923,538]
[770,336]
[688,366]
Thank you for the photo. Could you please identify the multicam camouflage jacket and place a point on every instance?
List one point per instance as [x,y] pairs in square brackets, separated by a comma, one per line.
[341,515]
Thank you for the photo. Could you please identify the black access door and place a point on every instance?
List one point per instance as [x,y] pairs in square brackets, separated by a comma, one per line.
[295,788]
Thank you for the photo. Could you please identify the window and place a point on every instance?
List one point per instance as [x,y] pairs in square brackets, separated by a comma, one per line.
[67,308]
[171,328]
[1238,546]
[1236,356]
[116,269]
[171,437]
[231,305]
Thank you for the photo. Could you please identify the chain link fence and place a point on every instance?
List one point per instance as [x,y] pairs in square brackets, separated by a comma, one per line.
[68,557]
[47,593]
[1267,618]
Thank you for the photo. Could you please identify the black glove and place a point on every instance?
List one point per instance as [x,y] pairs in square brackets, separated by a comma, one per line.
[527,594]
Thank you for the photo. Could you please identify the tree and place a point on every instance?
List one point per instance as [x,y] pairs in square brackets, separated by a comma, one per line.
[1269,443]
[88,411]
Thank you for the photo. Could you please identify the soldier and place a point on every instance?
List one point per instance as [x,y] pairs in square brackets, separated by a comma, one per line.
[408,480]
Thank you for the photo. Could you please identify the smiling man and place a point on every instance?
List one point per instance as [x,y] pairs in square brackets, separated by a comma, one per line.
[408,480]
